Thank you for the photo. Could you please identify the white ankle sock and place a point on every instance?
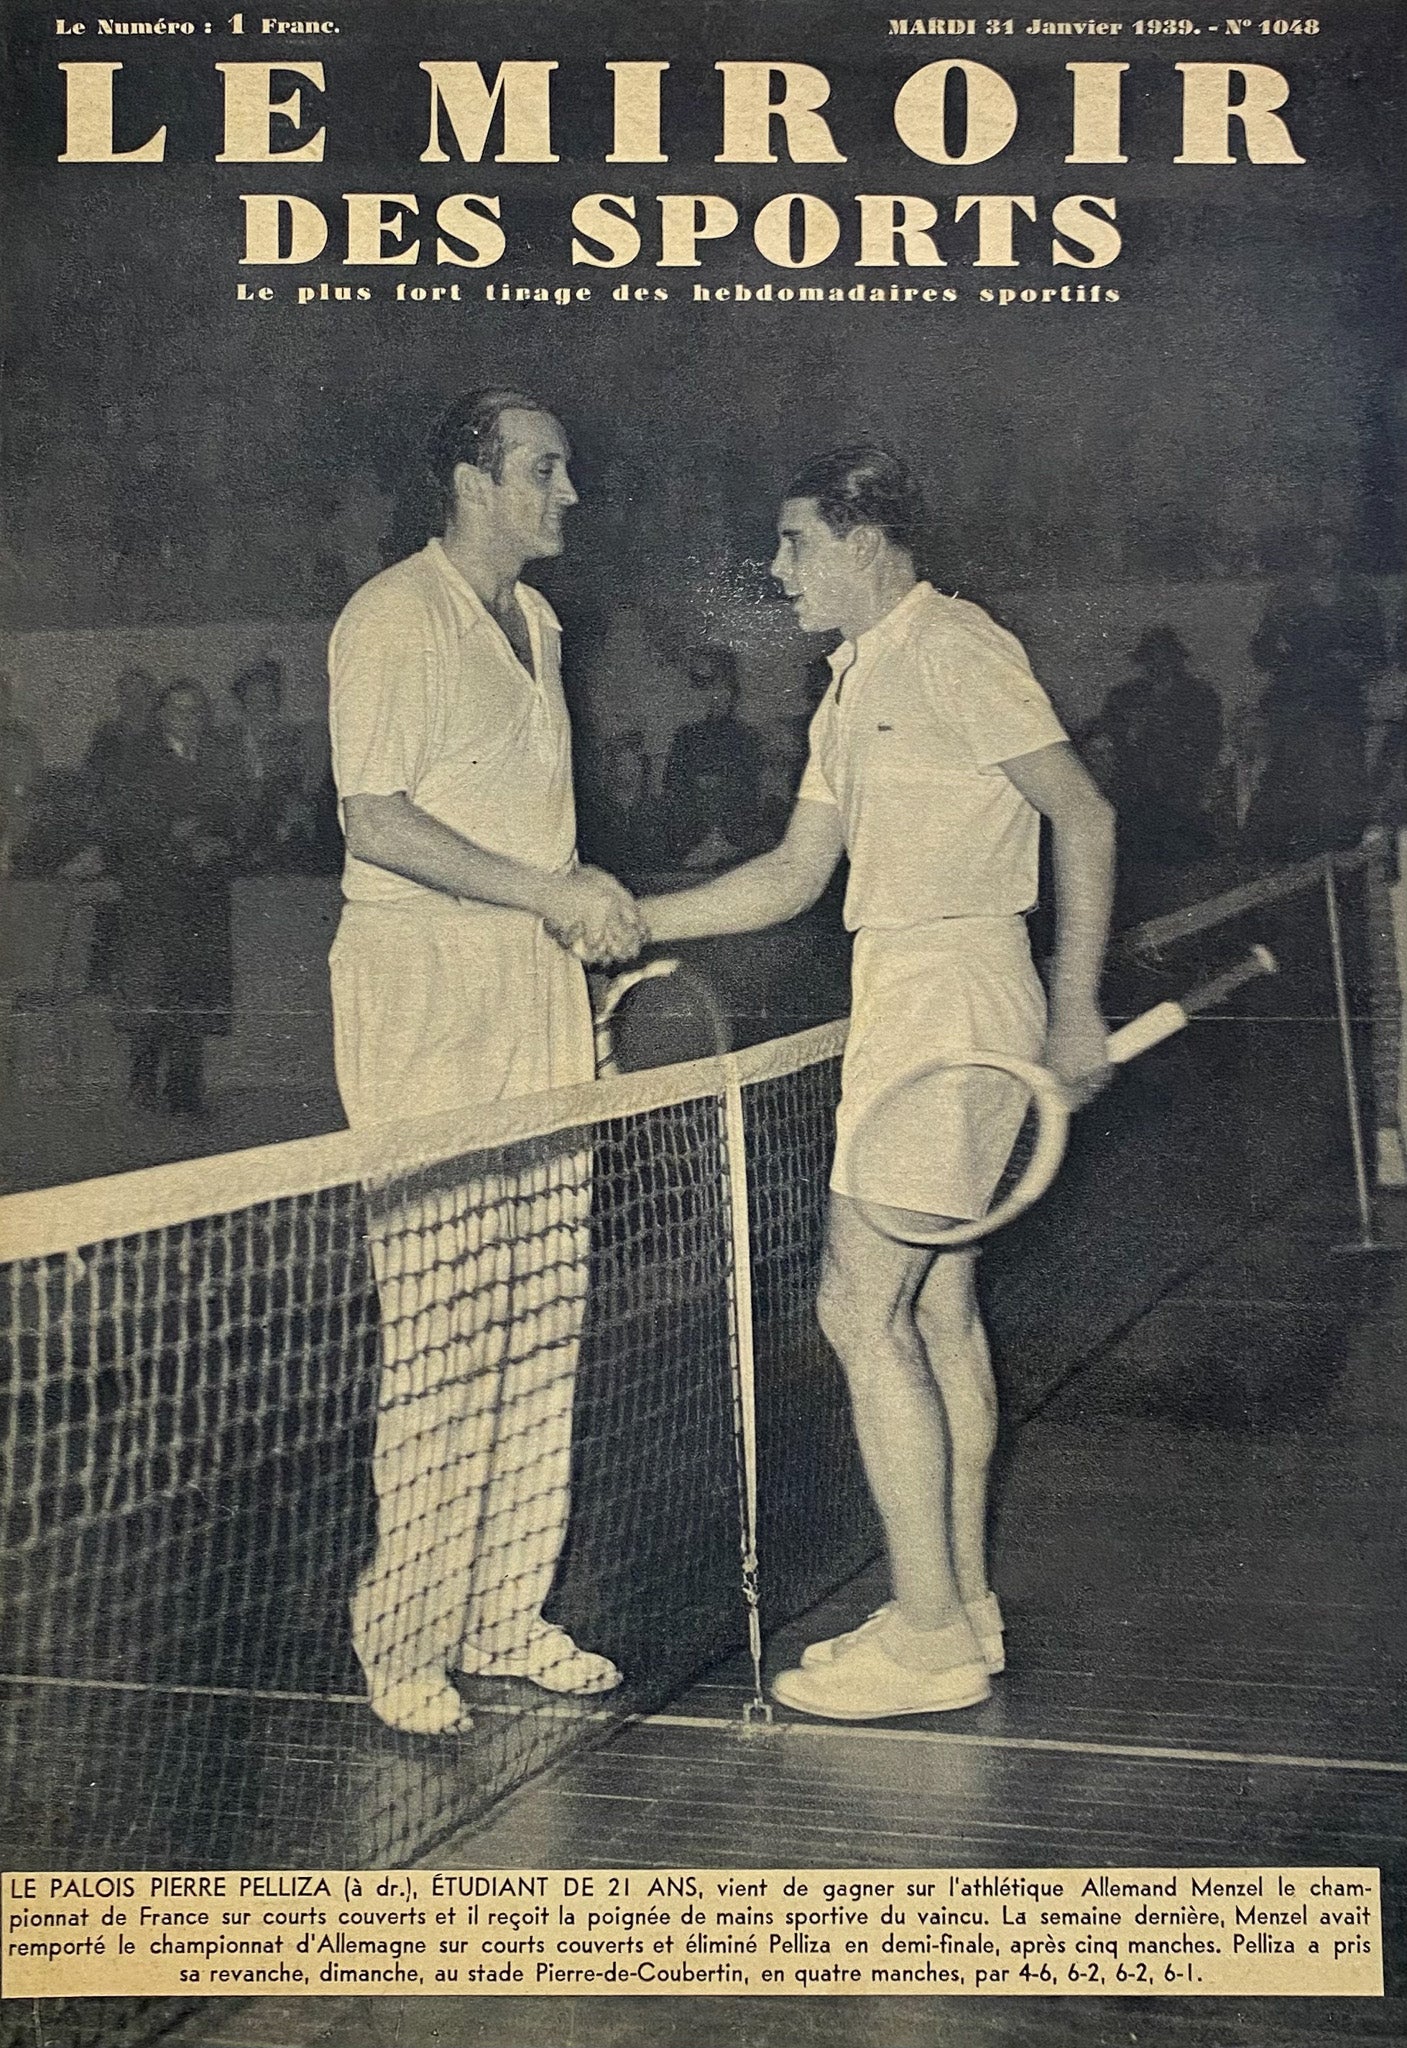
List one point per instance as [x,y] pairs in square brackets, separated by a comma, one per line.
[929,1649]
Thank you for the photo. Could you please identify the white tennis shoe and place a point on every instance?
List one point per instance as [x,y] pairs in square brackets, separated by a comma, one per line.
[547,1657]
[421,1706]
[984,1615]
[865,1684]
[831,1647]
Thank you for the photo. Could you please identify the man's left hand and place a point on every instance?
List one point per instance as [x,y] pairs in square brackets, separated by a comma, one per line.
[609,946]
[596,918]
[1076,1050]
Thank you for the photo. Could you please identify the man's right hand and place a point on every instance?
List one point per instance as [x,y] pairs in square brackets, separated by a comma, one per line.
[595,917]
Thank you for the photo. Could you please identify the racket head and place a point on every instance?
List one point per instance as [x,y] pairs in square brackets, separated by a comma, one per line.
[611,991]
[934,1105]
[656,1018]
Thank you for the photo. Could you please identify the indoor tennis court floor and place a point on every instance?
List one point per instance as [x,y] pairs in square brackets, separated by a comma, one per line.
[1199,1542]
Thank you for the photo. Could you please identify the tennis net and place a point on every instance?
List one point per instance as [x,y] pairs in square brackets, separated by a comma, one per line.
[374,1370]
[421,1385]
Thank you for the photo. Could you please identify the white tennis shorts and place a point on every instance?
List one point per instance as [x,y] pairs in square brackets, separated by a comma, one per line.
[964,983]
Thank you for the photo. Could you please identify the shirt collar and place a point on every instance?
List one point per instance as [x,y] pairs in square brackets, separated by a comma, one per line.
[439,555]
[882,634]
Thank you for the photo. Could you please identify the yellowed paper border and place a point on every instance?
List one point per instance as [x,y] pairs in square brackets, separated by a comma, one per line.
[1302,1932]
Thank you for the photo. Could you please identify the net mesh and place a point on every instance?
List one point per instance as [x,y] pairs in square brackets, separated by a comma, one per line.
[810,1478]
[332,1417]
[270,1459]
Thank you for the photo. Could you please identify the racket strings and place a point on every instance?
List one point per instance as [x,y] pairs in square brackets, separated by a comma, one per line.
[1022,1152]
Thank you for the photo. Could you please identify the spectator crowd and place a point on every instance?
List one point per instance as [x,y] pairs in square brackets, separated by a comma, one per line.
[174,801]
[1206,795]
[168,807]
[1206,799]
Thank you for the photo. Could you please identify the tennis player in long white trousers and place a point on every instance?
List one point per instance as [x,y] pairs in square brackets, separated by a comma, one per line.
[452,754]
[933,756]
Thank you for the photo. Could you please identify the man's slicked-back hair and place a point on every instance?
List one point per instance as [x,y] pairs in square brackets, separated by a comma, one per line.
[471,430]
[862,485]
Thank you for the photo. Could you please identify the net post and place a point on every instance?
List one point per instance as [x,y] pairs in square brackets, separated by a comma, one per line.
[757,1710]
[1366,1240]
[1386,880]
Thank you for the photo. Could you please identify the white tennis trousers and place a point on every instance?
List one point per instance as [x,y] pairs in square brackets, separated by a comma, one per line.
[482,1289]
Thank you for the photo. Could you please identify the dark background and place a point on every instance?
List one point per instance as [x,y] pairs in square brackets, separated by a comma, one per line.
[175,456]
[195,483]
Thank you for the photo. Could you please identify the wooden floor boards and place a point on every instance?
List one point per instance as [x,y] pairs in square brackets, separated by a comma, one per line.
[1199,1540]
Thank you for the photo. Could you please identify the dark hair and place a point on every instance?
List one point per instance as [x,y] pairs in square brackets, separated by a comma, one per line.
[471,430]
[863,486]
[266,671]
[713,668]
[1160,644]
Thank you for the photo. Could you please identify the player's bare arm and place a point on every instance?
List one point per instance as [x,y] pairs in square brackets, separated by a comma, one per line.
[1056,783]
[391,832]
[770,890]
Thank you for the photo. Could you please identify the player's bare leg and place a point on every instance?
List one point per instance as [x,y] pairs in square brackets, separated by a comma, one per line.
[870,1285]
[920,1655]
[956,1346]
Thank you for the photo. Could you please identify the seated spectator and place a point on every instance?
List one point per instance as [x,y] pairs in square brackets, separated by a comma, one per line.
[712,773]
[170,841]
[280,821]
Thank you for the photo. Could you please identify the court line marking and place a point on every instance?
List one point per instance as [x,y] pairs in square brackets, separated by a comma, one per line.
[868,1732]
[943,1738]
[561,1707]
[198,1692]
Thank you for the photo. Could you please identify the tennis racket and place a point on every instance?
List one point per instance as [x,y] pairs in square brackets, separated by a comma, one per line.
[608,1001]
[656,1015]
[1030,1098]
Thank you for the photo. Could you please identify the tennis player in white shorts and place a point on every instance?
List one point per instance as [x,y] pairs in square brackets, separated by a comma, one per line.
[452,754]
[934,754]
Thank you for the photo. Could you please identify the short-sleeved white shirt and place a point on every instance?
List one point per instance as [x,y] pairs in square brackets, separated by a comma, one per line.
[907,742]
[428,697]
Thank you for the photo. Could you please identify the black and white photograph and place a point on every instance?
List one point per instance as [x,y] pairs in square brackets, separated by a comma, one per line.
[703,1099]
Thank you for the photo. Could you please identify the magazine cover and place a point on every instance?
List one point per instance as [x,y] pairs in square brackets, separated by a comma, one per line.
[702,962]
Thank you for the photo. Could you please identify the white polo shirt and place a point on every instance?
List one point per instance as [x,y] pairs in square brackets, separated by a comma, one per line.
[907,743]
[428,697]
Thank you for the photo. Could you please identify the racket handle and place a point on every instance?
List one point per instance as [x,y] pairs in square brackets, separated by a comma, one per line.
[1164,1019]
[1142,1032]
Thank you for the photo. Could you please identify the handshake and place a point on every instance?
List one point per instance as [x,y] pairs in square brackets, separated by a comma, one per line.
[593,916]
